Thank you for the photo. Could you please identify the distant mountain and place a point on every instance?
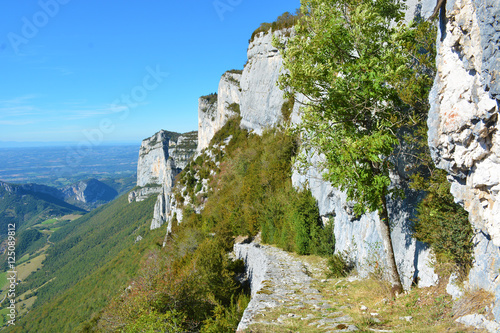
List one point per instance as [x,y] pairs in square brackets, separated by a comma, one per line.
[89,194]
[27,205]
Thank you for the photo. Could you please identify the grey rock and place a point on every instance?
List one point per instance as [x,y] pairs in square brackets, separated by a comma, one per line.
[479,321]
[89,193]
[463,126]
[212,116]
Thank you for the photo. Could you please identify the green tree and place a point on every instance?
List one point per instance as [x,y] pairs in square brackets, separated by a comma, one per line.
[350,61]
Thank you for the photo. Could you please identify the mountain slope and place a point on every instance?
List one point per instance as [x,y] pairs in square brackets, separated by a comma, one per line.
[25,207]
[90,260]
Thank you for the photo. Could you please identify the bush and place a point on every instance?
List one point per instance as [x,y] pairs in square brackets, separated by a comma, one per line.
[287,108]
[284,21]
[443,224]
[339,265]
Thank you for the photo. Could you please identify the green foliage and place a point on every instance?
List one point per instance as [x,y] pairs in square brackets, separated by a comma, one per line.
[189,284]
[92,258]
[284,21]
[211,98]
[235,71]
[29,240]
[151,322]
[353,117]
[287,108]
[443,224]
[235,107]
[253,192]
[225,319]
[366,76]
[339,265]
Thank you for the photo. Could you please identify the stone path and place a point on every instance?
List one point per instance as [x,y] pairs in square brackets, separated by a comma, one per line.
[283,294]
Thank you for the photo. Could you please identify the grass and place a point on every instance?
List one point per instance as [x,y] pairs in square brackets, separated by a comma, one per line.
[70,217]
[3,279]
[24,270]
[51,221]
[23,259]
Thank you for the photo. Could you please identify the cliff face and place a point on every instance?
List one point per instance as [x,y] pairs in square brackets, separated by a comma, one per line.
[161,158]
[261,102]
[214,112]
[463,125]
[154,166]
[89,194]
[261,98]
[253,93]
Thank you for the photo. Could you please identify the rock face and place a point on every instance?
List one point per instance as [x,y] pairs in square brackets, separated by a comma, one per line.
[215,110]
[251,93]
[89,193]
[463,125]
[360,238]
[161,158]
[261,98]
[154,166]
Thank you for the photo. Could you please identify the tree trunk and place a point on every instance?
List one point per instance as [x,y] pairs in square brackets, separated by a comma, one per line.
[394,279]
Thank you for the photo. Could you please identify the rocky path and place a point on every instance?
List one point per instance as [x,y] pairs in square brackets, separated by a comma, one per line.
[284,296]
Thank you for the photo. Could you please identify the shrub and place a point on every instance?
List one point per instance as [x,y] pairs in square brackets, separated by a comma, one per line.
[284,21]
[339,265]
[235,107]
[287,108]
[443,224]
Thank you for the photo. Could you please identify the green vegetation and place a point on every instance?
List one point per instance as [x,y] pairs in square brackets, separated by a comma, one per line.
[287,108]
[252,192]
[189,284]
[91,259]
[353,118]
[211,99]
[28,209]
[235,107]
[284,21]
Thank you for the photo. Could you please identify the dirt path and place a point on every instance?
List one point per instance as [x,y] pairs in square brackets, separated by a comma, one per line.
[283,294]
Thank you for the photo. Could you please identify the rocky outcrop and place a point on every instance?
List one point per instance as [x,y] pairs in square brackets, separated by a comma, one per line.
[182,149]
[463,125]
[261,98]
[207,113]
[154,166]
[252,93]
[89,194]
[361,238]
[215,110]
[161,158]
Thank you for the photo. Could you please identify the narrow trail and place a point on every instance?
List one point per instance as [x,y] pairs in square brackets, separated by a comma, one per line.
[284,293]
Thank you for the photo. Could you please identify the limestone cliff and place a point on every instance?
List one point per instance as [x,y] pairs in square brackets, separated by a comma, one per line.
[261,98]
[161,158]
[463,125]
[251,93]
[89,194]
[214,110]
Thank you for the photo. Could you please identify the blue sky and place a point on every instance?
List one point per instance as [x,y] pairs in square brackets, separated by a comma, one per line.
[115,71]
